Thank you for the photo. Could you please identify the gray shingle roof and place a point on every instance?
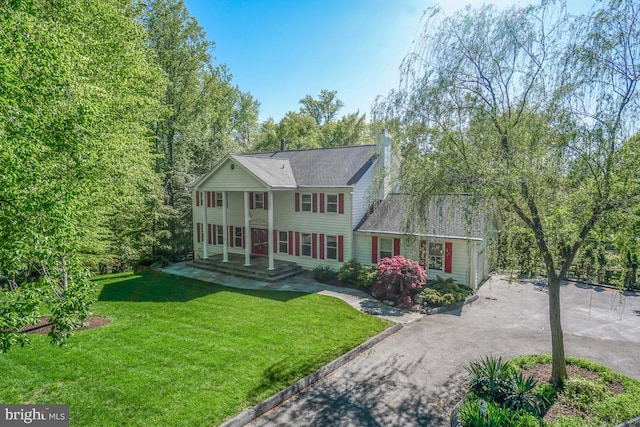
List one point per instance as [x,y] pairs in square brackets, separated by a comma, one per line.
[323,167]
[446,216]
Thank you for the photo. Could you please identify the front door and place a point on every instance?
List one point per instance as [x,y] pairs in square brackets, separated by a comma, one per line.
[259,241]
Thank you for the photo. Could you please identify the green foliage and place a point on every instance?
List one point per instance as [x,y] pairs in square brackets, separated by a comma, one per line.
[368,276]
[323,273]
[471,416]
[489,377]
[350,271]
[443,292]
[79,89]
[583,392]
[521,394]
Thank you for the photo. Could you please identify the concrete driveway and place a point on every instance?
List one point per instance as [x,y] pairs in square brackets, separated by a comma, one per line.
[414,377]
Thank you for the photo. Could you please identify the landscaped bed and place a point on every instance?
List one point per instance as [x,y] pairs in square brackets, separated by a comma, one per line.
[182,352]
[518,393]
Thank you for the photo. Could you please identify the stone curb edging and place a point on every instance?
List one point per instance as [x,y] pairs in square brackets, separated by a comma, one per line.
[437,310]
[631,423]
[254,412]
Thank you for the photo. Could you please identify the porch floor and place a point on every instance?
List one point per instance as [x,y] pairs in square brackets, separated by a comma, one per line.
[257,270]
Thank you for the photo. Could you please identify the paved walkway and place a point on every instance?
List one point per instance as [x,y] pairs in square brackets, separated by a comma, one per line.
[414,377]
[304,283]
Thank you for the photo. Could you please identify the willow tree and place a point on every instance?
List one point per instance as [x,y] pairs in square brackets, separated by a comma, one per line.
[532,109]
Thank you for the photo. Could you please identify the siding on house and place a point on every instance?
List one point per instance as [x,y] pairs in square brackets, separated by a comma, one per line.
[362,197]
[462,253]
[232,179]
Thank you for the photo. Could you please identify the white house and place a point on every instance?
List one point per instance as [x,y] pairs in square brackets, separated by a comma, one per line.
[314,207]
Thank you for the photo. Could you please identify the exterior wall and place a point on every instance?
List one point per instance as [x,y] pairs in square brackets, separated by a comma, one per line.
[232,179]
[362,196]
[463,258]
[285,218]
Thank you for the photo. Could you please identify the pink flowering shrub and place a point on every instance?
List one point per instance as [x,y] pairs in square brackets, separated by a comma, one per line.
[399,279]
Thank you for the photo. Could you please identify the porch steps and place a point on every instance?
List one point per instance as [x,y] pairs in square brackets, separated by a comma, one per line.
[257,271]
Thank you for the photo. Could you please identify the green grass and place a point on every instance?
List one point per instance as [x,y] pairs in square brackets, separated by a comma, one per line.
[180,352]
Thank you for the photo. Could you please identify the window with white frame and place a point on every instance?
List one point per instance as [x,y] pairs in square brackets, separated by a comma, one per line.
[332,203]
[436,256]
[386,248]
[305,202]
[237,242]
[258,200]
[219,234]
[219,199]
[305,246]
[332,247]
[283,242]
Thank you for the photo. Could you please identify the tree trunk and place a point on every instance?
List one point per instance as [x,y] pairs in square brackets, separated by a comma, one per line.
[559,365]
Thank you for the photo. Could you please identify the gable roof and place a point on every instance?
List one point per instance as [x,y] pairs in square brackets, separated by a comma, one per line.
[446,216]
[321,167]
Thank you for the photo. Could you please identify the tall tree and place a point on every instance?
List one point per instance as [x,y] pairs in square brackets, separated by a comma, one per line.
[531,110]
[324,109]
[77,93]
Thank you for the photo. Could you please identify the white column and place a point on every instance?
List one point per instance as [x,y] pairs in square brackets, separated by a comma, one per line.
[270,235]
[205,230]
[247,236]
[225,229]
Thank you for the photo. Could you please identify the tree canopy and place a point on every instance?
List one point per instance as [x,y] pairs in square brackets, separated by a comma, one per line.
[531,110]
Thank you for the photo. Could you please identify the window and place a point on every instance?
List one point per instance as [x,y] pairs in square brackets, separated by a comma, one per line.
[219,199]
[386,248]
[306,244]
[436,257]
[332,247]
[306,202]
[258,200]
[332,203]
[283,242]
[237,241]
[220,235]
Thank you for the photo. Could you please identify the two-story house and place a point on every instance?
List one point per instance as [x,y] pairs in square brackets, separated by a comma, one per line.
[324,207]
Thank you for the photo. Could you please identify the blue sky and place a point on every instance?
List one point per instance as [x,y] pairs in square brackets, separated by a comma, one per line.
[282,50]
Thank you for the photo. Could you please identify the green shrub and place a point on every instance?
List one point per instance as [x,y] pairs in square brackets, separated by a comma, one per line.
[471,416]
[521,395]
[489,378]
[350,271]
[367,277]
[441,292]
[323,273]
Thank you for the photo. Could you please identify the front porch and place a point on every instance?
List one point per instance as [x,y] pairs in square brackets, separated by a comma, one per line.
[258,270]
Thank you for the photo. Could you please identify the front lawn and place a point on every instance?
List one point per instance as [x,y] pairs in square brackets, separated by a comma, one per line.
[182,352]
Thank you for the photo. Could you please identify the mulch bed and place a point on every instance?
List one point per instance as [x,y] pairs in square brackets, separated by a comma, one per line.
[44,327]
[542,372]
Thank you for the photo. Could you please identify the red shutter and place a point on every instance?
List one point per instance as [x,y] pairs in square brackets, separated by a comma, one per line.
[213,199]
[448,252]
[275,242]
[341,203]
[198,232]
[290,243]
[250,200]
[374,249]
[297,243]
[208,234]
[321,202]
[297,202]
[231,236]
[340,248]
[396,247]
[314,245]
[321,244]
[266,200]
[315,202]
[197,198]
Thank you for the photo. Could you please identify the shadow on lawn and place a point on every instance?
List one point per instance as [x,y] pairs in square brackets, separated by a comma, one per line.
[384,395]
[161,287]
